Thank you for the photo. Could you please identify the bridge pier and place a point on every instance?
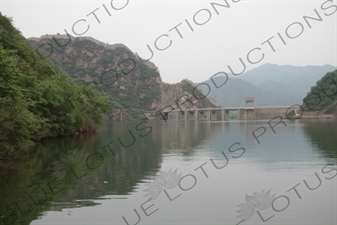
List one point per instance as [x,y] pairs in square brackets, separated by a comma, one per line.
[192,114]
[240,114]
[208,115]
[226,115]
[246,113]
[222,114]
[200,115]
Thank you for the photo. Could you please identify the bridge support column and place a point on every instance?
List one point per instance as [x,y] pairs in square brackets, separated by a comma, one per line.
[222,114]
[208,114]
[173,116]
[241,114]
[185,115]
[250,114]
[196,114]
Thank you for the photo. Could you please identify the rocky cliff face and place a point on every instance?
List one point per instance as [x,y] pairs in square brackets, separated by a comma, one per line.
[185,95]
[134,87]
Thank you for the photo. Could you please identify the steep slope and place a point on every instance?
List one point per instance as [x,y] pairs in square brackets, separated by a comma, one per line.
[323,95]
[134,87]
[35,101]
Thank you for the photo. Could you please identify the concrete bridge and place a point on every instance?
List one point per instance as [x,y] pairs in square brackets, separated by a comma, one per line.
[222,114]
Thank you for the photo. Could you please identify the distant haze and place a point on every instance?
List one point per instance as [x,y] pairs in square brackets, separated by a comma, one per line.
[270,85]
[193,39]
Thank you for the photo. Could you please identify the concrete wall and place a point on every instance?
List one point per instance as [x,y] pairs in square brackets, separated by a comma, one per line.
[316,115]
[192,115]
[310,115]
[215,115]
[249,113]
[203,115]
[262,113]
[246,114]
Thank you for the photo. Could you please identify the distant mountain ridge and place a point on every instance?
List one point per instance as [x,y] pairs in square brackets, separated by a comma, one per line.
[269,84]
[284,73]
[85,59]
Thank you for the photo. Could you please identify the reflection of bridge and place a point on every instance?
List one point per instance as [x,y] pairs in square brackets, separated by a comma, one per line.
[221,114]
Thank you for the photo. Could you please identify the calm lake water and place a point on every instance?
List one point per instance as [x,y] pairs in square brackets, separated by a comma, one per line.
[209,171]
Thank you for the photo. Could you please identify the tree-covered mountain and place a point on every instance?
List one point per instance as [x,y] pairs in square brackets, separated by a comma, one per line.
[36,101]
[134,86]
[323,95]
[270,85]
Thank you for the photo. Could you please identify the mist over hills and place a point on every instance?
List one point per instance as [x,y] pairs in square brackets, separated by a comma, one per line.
[269,84]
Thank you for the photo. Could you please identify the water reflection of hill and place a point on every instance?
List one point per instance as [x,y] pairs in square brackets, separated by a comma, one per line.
[24,182]
[184,138]
[117,174]
[120,174]
[323,134]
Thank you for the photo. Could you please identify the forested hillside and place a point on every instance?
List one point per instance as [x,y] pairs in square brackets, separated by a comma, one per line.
[134,86]
[35,101]
[323,96]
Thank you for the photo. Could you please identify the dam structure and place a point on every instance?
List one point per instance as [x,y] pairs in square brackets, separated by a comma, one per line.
[222,114]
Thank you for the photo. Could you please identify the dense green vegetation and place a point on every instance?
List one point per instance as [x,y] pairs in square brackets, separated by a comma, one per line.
[36,101]
[133,87]
[323,96]
[233,116]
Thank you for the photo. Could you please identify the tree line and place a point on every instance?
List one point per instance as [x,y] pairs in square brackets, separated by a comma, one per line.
[323,95]
[36,101]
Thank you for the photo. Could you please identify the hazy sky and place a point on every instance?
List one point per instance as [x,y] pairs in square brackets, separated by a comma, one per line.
[196,39]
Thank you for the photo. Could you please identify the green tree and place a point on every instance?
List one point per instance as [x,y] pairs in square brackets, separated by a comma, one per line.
[323,96]
[35,101]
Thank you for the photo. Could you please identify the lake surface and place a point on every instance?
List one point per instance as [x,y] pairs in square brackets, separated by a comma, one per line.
[190,173]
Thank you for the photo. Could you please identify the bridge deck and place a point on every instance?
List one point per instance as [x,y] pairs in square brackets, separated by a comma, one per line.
[211,114]
[229,108]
